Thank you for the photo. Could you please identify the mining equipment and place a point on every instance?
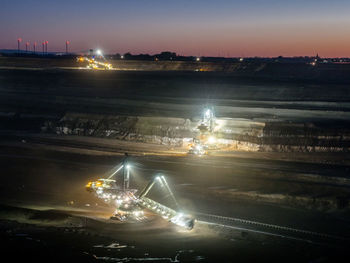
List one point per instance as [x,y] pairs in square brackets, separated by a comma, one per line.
[94,63]
[131,204]
[206,140]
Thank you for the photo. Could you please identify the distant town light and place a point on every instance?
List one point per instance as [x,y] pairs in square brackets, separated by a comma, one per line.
[198,59]
[99,52]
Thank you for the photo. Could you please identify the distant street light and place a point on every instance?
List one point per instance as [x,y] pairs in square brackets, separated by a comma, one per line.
[27,45]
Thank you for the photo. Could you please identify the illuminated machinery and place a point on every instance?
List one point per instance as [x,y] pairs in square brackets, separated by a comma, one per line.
[92,63]
[130,205]
[206,140]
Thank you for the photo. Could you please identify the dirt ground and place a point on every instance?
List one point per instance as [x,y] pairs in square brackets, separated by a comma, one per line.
[249,206]
[42,181]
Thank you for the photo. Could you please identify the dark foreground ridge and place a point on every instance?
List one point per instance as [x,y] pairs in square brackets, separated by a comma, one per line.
[57,236]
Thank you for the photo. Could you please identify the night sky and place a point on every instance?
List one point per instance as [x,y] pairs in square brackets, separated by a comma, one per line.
[188,27]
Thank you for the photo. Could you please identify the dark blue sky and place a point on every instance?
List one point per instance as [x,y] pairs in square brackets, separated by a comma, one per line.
[226,28]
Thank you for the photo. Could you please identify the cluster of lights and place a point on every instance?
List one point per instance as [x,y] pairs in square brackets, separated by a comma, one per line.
[130,206]
[161,210]
[208,125]
[138,213]
[94,64]
[124,200]
[199,149]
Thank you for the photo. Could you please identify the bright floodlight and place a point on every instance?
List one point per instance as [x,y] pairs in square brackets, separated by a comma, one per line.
[198,59]
[99,52]
[208,113]
[128,166]
[198,147]
[211,139]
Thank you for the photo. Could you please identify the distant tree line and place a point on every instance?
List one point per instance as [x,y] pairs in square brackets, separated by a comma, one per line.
[172,56]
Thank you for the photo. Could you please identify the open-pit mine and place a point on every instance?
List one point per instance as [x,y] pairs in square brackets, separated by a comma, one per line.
[168,161]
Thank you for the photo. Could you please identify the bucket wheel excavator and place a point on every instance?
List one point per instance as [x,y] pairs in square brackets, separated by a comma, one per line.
[131,205]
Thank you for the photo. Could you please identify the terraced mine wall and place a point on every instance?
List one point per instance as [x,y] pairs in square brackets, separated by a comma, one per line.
[322,72]
[163,107]
[232,134]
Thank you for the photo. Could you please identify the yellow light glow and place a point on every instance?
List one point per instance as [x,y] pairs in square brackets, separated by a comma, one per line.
[211,140]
